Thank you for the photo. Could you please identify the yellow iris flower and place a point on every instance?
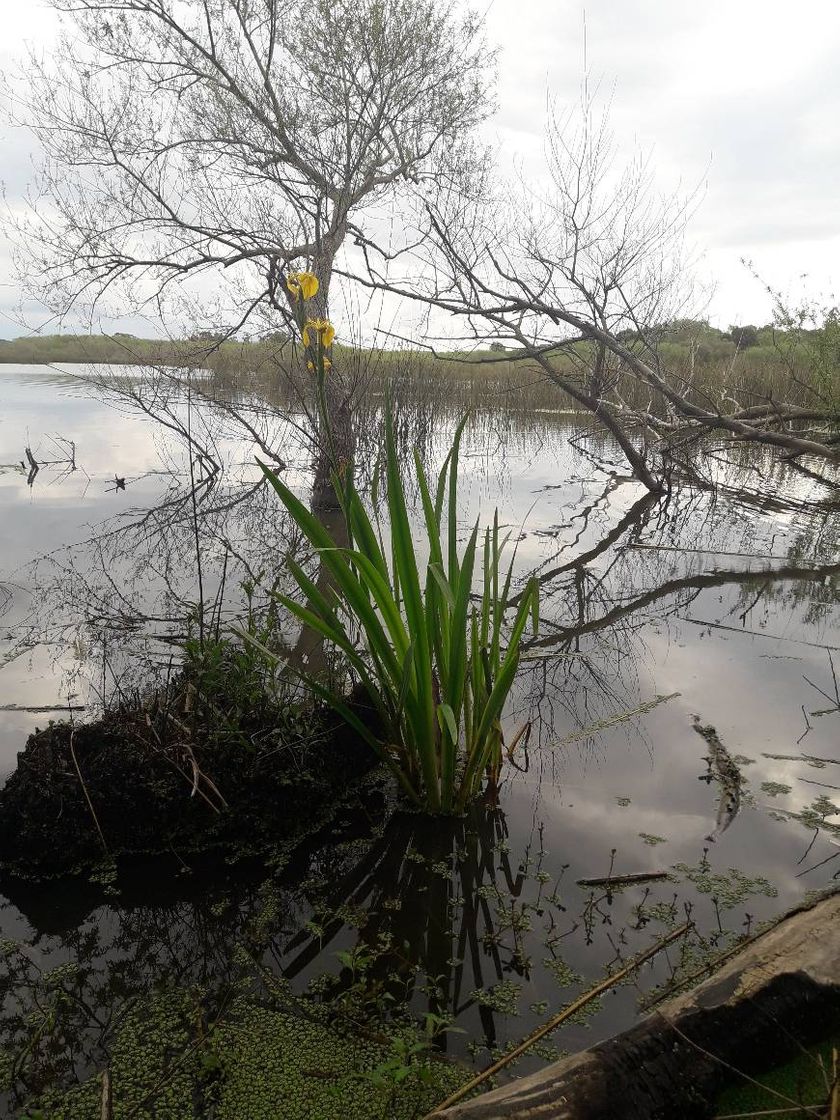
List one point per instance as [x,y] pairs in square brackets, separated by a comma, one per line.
[323,330]
[302,285]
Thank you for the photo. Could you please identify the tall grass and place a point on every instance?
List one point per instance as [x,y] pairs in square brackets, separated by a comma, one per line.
[798,367]
[436,659]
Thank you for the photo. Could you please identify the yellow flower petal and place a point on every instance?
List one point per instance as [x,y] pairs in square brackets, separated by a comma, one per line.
[324,330]
[308,284]
[302,285]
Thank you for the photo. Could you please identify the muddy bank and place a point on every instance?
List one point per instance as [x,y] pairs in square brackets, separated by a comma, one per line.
[133,783]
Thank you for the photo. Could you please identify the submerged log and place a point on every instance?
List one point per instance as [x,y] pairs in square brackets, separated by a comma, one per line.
[631,878]
[723,770]
[782,991]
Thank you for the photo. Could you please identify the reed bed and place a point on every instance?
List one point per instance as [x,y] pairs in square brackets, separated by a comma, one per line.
[784,366]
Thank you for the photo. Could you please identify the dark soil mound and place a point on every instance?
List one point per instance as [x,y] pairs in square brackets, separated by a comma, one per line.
[119,786]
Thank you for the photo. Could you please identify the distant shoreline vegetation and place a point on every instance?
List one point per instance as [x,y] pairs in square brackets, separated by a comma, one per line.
[758,359]
[115,349]
[685,338]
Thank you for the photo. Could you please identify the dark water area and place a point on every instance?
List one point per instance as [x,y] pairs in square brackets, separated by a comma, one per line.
[659,617]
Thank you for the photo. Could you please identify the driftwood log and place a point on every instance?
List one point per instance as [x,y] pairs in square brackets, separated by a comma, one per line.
[782,991]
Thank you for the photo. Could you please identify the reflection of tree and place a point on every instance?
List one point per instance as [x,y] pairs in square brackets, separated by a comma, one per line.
[614,572]
[682,590]
[65,996]
[136,581]
[133,586]
[458,917]
[122,595]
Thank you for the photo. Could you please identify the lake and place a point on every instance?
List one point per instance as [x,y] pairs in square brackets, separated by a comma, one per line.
[672,628]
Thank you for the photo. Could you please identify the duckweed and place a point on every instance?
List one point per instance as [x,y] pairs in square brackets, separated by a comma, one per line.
[154,1068]
[652,840]
[254,1063]
[561,972]
[502,997]
[277,1064]
[730,888]
[774,789]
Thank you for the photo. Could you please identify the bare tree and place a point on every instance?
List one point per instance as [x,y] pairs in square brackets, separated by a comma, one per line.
[584,281]
[227,142]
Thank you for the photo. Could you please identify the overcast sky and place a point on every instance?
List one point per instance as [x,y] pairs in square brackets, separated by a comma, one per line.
[742,97]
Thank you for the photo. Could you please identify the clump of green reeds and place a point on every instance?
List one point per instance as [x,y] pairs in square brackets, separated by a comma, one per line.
[435,657]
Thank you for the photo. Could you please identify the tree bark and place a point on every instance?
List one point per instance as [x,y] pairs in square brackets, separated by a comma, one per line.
[336,445]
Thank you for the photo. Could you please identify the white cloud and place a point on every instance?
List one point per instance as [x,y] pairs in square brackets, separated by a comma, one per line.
[744,97]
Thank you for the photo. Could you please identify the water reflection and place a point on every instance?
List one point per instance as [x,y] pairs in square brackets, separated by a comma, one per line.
[656,611]
[481,921]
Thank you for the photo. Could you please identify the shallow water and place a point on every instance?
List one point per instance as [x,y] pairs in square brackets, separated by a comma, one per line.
[657,616]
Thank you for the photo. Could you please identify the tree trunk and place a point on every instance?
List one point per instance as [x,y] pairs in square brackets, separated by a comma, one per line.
[309,654]
[602,411]
[334,448]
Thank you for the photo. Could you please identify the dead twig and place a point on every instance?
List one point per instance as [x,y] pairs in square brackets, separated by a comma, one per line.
[619,717]
[85,792]
[758,633]
[106,1107]
[640,545]
[792,1104]
[40,708]
[809,758]
[748,1115]
[823,785]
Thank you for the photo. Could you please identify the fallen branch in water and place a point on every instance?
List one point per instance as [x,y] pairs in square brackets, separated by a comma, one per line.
[557,1020]
[39,708]
[623,880]
[611,721]
[775,997]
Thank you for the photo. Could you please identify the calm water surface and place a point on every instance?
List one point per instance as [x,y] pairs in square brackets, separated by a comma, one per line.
[659,615]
